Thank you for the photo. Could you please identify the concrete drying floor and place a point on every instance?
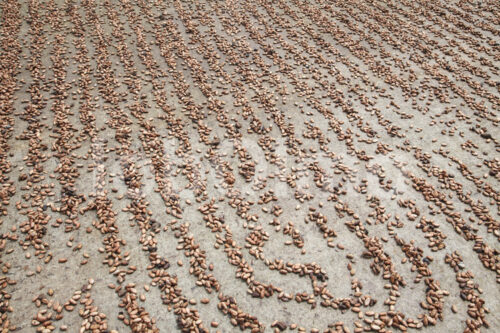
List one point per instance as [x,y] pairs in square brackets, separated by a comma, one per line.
[249,165]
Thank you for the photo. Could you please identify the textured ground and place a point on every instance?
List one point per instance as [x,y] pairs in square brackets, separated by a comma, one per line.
[315,166]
